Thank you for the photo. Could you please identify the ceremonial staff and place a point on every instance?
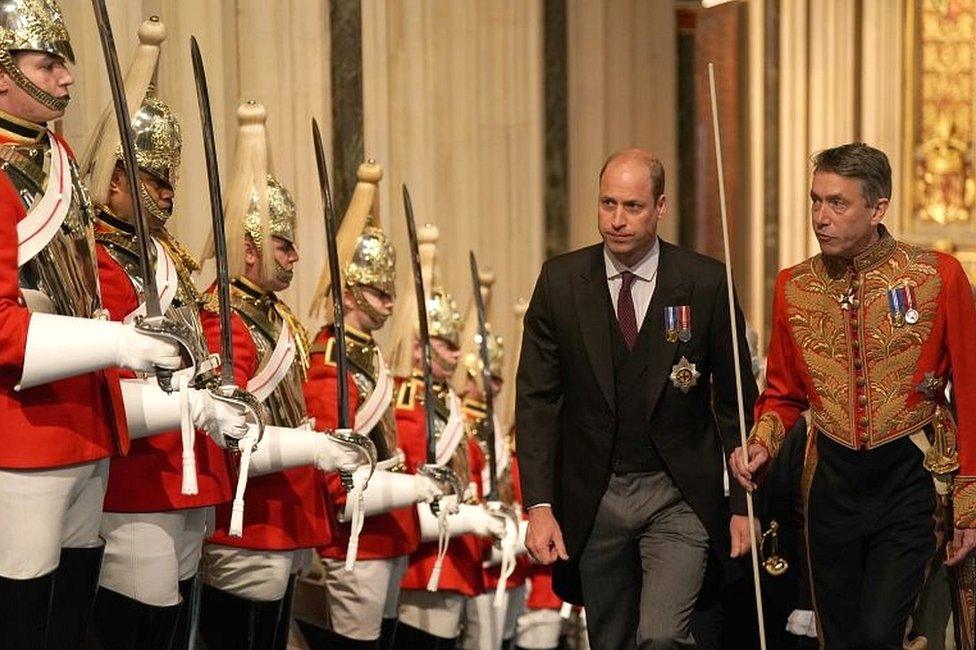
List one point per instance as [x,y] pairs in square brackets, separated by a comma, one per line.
[735,350]
[153,322]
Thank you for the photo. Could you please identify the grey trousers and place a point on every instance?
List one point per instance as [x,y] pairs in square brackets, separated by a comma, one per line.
[643,565]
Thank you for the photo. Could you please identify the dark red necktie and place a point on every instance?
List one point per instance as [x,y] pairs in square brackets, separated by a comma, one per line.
[626,317]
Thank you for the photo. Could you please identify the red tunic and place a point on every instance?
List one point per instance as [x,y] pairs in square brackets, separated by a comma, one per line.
[385,535]
[462,569]
[867,376]
[541,595]
[284,510]
[74,420]
[150,478]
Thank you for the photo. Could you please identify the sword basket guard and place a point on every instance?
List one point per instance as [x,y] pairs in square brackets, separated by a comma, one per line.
[240,398]
[446,480]
[363,445]
[164,328]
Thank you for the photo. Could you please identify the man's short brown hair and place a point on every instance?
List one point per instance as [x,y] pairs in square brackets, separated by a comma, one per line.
[654,167]
[859,161]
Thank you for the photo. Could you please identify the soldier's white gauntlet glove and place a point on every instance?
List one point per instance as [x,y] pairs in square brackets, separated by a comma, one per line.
[514,539]
[219,418]
[149,410]
[63,346]
[391,490]
[283,448]
[474,519]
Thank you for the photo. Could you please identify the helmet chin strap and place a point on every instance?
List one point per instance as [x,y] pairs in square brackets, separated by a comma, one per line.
[360,297]
[47,99]
[281,274]
[150,205]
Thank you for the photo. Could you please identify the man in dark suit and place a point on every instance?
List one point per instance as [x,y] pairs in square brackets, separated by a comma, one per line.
[626,399]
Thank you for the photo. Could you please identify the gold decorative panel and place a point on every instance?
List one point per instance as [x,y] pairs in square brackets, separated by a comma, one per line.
[940,112]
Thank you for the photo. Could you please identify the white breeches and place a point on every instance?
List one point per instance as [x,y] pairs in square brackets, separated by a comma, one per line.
[486,626]
[251,574]
[435,612]
[43,510]
[357,601]
[514,608]
[539,629]
[147,554]
[484,623]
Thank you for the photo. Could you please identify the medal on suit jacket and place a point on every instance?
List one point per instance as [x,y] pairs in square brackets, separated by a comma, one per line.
[684,375]
[677,323]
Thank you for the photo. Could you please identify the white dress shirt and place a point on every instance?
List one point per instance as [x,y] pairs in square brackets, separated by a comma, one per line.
[642,288]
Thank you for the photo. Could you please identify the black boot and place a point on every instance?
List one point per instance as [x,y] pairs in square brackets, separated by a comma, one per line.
[75,585]
[122,623]
[409,638]
[228,622]
[318,638]
[26,606]
[387,634]
[189,603]
[284,618]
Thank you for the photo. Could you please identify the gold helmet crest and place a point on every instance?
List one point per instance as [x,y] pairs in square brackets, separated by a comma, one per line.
[366,255]
[35,25]
[373,262]
[158,139]
[257,206]
[281,213]
[156,130]
[443,316]
[496,356]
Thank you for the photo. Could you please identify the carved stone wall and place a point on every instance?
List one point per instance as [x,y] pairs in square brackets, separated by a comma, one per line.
[940,74]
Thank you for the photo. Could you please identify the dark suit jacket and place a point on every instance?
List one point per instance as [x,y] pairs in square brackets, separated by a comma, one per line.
[565,394]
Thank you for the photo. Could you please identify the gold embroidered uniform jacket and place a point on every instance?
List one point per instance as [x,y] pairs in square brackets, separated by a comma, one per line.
[868,375]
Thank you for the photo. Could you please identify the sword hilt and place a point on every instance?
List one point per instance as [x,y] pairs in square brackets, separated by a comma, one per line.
[240,398]
[361,444]
[446,480]
[507,513]
[164,328]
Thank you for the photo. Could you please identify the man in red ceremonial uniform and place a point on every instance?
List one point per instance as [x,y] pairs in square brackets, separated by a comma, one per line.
[59,399]
[360,605]
[157,506]
[865,335]
[436,585]
[489,622]
[249,572]
[433,618]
